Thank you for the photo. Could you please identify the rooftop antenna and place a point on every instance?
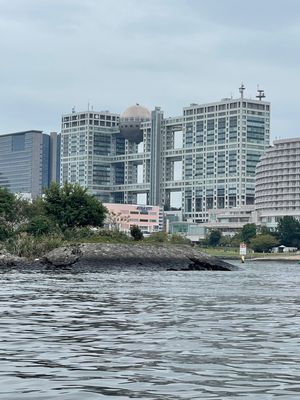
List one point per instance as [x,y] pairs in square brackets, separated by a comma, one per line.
[73,110]
[241,89]
[260,93]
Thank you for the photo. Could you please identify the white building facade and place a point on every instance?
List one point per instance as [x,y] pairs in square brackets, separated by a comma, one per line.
[207,156]
[278,182]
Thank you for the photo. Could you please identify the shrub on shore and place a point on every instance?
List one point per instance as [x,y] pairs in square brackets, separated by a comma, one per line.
[31,246]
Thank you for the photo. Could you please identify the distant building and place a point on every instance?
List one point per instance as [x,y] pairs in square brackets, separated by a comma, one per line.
[206,156]
[123,216]
[54,157]
[231,220]
[192,231]
[25,165]
[278,182]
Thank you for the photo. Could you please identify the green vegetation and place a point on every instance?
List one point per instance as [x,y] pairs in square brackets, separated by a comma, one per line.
[69,214]
[136,233]
[214,237]
[263,243]
[63,214]
[287,234]
[71,206]
[248,232]
[288,231]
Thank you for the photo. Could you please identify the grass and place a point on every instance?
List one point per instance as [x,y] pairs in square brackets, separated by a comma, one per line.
[234,252]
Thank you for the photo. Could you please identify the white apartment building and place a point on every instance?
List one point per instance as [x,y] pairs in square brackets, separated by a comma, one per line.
[278,182]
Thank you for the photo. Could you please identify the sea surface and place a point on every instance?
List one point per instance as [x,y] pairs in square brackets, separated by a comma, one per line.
[140,334]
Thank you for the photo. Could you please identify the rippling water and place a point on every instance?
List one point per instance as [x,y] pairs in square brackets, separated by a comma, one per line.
[151,335]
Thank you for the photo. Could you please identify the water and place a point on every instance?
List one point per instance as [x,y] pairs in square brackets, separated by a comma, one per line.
[151,335]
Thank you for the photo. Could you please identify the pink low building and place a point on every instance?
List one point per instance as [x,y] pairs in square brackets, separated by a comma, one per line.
[122,216]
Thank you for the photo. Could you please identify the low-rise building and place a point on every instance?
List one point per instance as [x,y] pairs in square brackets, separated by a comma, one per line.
[231,220]
[192,231]
[123,216]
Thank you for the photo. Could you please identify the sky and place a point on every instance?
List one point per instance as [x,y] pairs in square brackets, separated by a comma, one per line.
[60,54]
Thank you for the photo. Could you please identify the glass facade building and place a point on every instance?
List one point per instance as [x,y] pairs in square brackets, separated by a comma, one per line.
[25,162]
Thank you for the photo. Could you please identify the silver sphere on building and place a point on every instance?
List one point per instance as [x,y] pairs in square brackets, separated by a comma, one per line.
[130,122]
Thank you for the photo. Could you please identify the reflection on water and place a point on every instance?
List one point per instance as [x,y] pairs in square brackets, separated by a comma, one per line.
[151,335]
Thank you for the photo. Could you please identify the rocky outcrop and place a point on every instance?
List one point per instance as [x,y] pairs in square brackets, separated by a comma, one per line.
[63,256]
[9,260]
[105,255]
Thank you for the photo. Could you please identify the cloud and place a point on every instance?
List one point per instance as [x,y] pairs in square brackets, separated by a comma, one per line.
[60,53]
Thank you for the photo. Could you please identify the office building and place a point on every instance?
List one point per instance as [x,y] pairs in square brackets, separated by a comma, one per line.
[278,182]
[206,157]
[25,165]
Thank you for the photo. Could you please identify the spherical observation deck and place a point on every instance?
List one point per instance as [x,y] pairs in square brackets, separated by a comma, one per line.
[130,122]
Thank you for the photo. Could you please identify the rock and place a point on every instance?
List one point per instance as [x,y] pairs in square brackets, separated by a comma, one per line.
[63,256]
[107,255]
[209,264]
[9,260]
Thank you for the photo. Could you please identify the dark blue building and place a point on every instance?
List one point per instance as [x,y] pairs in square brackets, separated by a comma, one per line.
[26,161]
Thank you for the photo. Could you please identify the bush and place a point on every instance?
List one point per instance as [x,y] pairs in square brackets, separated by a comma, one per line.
[136,233]
[263,243]
[109,236]
[31,246]
[178,239]
[40,225]
[4,233]
[157,237]
[73,234]
[214,237]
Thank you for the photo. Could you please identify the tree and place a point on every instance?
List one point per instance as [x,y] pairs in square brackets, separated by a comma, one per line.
[70,206]
[288,231]
[7,202]
[214,237]
[40,225]
[11,213]
[264,230]
[136,233]
[262,243]
[248,232]
[114,220]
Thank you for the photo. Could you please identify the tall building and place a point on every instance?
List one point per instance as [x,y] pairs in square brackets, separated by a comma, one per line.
[25,162]
[206,156]
[278,182]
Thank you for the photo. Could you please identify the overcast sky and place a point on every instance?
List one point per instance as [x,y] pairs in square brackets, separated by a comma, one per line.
[56,54]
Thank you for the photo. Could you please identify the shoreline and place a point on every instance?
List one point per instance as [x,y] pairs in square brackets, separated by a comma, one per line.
[97,256]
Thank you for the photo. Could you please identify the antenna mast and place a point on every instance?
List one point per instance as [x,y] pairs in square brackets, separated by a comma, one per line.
[260,93]
[241,89]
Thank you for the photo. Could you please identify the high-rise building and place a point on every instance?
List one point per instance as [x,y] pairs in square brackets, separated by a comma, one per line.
[25,166]
[206,157]
[278,182]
